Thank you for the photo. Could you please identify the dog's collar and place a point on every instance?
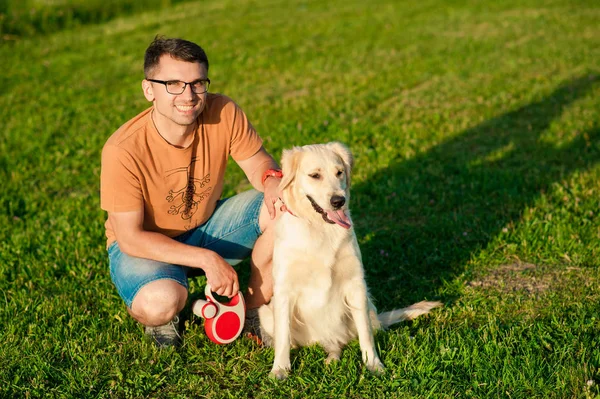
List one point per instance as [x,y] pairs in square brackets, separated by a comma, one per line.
[285,208]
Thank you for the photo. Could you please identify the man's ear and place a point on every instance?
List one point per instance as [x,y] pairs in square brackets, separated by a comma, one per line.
[289,166]
[344,153]
[148,90]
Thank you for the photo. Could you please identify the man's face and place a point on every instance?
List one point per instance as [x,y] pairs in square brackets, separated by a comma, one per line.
[181,109]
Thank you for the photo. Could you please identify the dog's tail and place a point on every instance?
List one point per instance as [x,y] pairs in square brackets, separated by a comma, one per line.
[409,313]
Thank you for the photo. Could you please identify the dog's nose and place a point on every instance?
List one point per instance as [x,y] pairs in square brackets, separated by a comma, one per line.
[337,201]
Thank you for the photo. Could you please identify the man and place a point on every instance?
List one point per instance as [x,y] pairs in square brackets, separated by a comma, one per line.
[161,182]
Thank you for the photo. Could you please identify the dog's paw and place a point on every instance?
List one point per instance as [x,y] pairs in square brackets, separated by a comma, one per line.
[332,358]
[279,373]
[376,367]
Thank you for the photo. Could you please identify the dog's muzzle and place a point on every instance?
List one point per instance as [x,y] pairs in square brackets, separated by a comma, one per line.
[318,209]
[338,216]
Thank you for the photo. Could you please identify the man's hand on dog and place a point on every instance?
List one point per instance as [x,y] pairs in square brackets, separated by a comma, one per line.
[272,194]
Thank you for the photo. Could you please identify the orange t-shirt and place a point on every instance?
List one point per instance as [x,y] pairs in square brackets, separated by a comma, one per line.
[177,188]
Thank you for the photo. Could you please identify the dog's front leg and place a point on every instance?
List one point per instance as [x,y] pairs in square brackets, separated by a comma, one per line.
[357,299]
[281,310]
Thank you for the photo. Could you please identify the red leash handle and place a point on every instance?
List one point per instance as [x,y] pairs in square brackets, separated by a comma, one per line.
[223,322]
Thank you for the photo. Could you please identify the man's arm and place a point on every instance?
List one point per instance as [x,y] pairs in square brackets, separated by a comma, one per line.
[135,241]
[254,167]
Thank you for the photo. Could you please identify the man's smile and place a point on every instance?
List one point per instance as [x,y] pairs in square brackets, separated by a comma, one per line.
[184,108]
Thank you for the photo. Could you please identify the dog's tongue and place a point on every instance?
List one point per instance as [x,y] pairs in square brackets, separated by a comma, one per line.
[340,218]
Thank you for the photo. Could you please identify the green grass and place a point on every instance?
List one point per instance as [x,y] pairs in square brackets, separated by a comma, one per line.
[22,18]
[476,133]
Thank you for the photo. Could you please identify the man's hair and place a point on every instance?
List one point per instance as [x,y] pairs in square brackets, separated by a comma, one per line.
[179,49]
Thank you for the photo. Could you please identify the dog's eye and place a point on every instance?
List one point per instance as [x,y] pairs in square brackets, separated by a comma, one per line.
[315,176]
[339,173]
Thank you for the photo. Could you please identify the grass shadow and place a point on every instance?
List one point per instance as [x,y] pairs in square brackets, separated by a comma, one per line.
[420,221]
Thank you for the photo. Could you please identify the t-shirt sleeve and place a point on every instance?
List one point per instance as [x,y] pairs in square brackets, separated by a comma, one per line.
[245,142]
[120,189]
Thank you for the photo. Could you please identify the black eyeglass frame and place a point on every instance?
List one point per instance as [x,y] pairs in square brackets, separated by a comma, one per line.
[185,84]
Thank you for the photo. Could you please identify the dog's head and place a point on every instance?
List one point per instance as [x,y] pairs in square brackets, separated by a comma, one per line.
[316,182]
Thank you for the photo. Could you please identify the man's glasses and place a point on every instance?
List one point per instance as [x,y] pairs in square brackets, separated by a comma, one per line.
[199,86]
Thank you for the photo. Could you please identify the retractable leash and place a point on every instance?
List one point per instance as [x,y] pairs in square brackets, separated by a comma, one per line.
[223,322]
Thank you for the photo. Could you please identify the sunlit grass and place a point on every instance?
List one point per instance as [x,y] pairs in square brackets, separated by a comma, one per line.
[475,134]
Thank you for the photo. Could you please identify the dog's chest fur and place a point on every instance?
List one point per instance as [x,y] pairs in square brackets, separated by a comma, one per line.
[315,280]
[315,250]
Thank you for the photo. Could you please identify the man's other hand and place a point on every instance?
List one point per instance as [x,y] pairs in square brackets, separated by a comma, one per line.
[221,277]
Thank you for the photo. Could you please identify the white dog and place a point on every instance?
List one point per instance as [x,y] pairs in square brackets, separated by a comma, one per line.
[320,294]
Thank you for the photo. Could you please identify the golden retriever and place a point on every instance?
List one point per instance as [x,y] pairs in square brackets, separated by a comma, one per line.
[320,294]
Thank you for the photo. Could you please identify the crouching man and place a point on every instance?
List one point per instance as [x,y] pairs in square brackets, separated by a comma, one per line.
[161,183]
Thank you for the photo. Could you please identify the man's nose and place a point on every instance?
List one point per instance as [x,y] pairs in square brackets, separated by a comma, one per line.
[187,91]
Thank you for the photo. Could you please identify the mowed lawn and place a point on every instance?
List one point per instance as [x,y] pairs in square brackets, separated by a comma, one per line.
[475,128]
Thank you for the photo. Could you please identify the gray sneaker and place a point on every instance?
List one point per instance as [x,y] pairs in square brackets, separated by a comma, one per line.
[165,335]
[253,330]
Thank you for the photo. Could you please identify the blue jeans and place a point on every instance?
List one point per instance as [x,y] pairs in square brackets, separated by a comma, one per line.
[231,232]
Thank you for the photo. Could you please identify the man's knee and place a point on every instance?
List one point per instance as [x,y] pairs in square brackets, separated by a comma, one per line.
[158,302]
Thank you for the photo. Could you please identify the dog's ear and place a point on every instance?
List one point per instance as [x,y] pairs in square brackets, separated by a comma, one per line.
[344,153]
[289,165]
